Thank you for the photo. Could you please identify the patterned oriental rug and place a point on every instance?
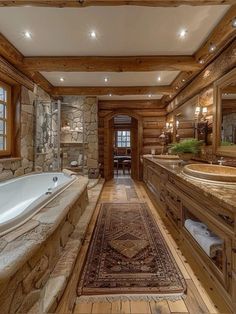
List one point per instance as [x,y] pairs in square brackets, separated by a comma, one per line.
[128,258]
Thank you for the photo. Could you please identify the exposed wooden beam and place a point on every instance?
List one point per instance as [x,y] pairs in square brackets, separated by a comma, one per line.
[9,52]
[15,58]
[111,64]
[87,3]
[225,62]
[8,70]
[121,90]
[131,104]
[221,35]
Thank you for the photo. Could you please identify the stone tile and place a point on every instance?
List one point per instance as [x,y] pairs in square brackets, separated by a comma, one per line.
[55,286]
[66,262]
[31,224]
[14,256]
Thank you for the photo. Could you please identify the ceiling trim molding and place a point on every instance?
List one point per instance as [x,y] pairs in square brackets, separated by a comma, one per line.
[87,3]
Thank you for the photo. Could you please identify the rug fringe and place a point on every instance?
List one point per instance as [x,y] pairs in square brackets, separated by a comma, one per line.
[134,297]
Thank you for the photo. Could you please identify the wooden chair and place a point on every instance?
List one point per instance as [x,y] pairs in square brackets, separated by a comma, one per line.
[126,164]
[116,166]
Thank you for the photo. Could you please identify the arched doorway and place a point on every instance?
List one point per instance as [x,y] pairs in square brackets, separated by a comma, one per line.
[136,138]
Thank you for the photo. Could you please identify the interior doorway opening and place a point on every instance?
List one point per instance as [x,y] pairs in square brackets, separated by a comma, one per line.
[123,136]
[123,128]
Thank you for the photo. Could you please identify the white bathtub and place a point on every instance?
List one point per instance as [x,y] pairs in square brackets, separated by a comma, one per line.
[23,197]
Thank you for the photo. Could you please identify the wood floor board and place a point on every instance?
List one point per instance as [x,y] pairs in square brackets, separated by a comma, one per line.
[141,307]
[177,306]
[125,307]
[116,307]
[101,308]
[160,307]
[83,308]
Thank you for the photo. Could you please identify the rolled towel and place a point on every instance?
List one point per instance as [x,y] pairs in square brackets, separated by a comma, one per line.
[202,231]
[191,224]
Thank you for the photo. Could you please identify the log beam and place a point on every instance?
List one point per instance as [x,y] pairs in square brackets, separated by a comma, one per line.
[111,64]
[131,104]
[121,90]
[87,3]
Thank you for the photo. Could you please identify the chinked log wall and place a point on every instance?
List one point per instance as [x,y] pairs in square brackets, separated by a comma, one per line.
[152,114]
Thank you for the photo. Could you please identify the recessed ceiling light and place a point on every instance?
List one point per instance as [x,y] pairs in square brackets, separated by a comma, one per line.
[234,22]
[201,61]
[183,33]
[183,80]
[159,78]
[62,79]
[93,34]
[212,47]
[27,35]
[176,87]
[106,79]
[149,95]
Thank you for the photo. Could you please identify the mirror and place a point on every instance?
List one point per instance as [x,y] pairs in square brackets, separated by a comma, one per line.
[225,111]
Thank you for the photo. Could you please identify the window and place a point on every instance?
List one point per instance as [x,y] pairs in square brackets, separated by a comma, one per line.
[5,116]
[122,138]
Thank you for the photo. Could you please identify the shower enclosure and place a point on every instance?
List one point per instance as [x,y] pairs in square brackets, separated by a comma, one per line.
[47,135]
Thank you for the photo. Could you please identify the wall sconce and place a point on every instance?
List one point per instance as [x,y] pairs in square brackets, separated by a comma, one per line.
[204,112]
[177,123]
[197,111]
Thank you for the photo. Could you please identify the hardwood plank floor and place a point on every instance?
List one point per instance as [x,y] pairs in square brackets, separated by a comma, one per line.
[197,301]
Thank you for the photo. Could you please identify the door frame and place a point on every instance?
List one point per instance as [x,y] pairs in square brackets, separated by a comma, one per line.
[108,140]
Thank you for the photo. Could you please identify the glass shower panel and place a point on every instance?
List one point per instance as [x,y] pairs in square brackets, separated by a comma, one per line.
[47,135]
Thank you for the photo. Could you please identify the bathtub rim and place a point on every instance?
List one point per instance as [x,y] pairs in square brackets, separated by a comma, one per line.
[40,203]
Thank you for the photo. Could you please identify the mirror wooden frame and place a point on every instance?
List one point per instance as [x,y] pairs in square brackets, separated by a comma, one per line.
[219,150]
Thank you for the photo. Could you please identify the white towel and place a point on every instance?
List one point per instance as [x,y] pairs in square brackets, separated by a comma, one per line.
[208,241]
[191,224]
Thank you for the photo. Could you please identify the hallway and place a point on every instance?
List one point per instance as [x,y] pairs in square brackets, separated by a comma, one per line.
[197,301]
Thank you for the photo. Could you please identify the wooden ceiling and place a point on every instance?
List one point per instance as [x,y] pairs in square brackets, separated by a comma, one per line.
[189,65]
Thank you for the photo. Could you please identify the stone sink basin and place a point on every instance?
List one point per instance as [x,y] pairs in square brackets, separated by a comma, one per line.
[211,172]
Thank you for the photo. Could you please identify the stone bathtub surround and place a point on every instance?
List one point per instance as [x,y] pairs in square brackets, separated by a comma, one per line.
[30,254]
[13,167]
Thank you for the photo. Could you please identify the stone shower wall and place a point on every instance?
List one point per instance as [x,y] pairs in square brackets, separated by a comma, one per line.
[79,120]
[23,164]
[46,136]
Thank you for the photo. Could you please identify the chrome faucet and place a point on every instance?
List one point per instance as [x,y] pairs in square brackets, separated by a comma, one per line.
[49,191]
[55,179]
[221,161]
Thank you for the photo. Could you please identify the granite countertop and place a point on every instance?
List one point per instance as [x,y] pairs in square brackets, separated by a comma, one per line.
[223,194]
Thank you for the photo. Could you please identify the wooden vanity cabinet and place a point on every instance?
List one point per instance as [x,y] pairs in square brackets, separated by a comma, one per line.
[180,200]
